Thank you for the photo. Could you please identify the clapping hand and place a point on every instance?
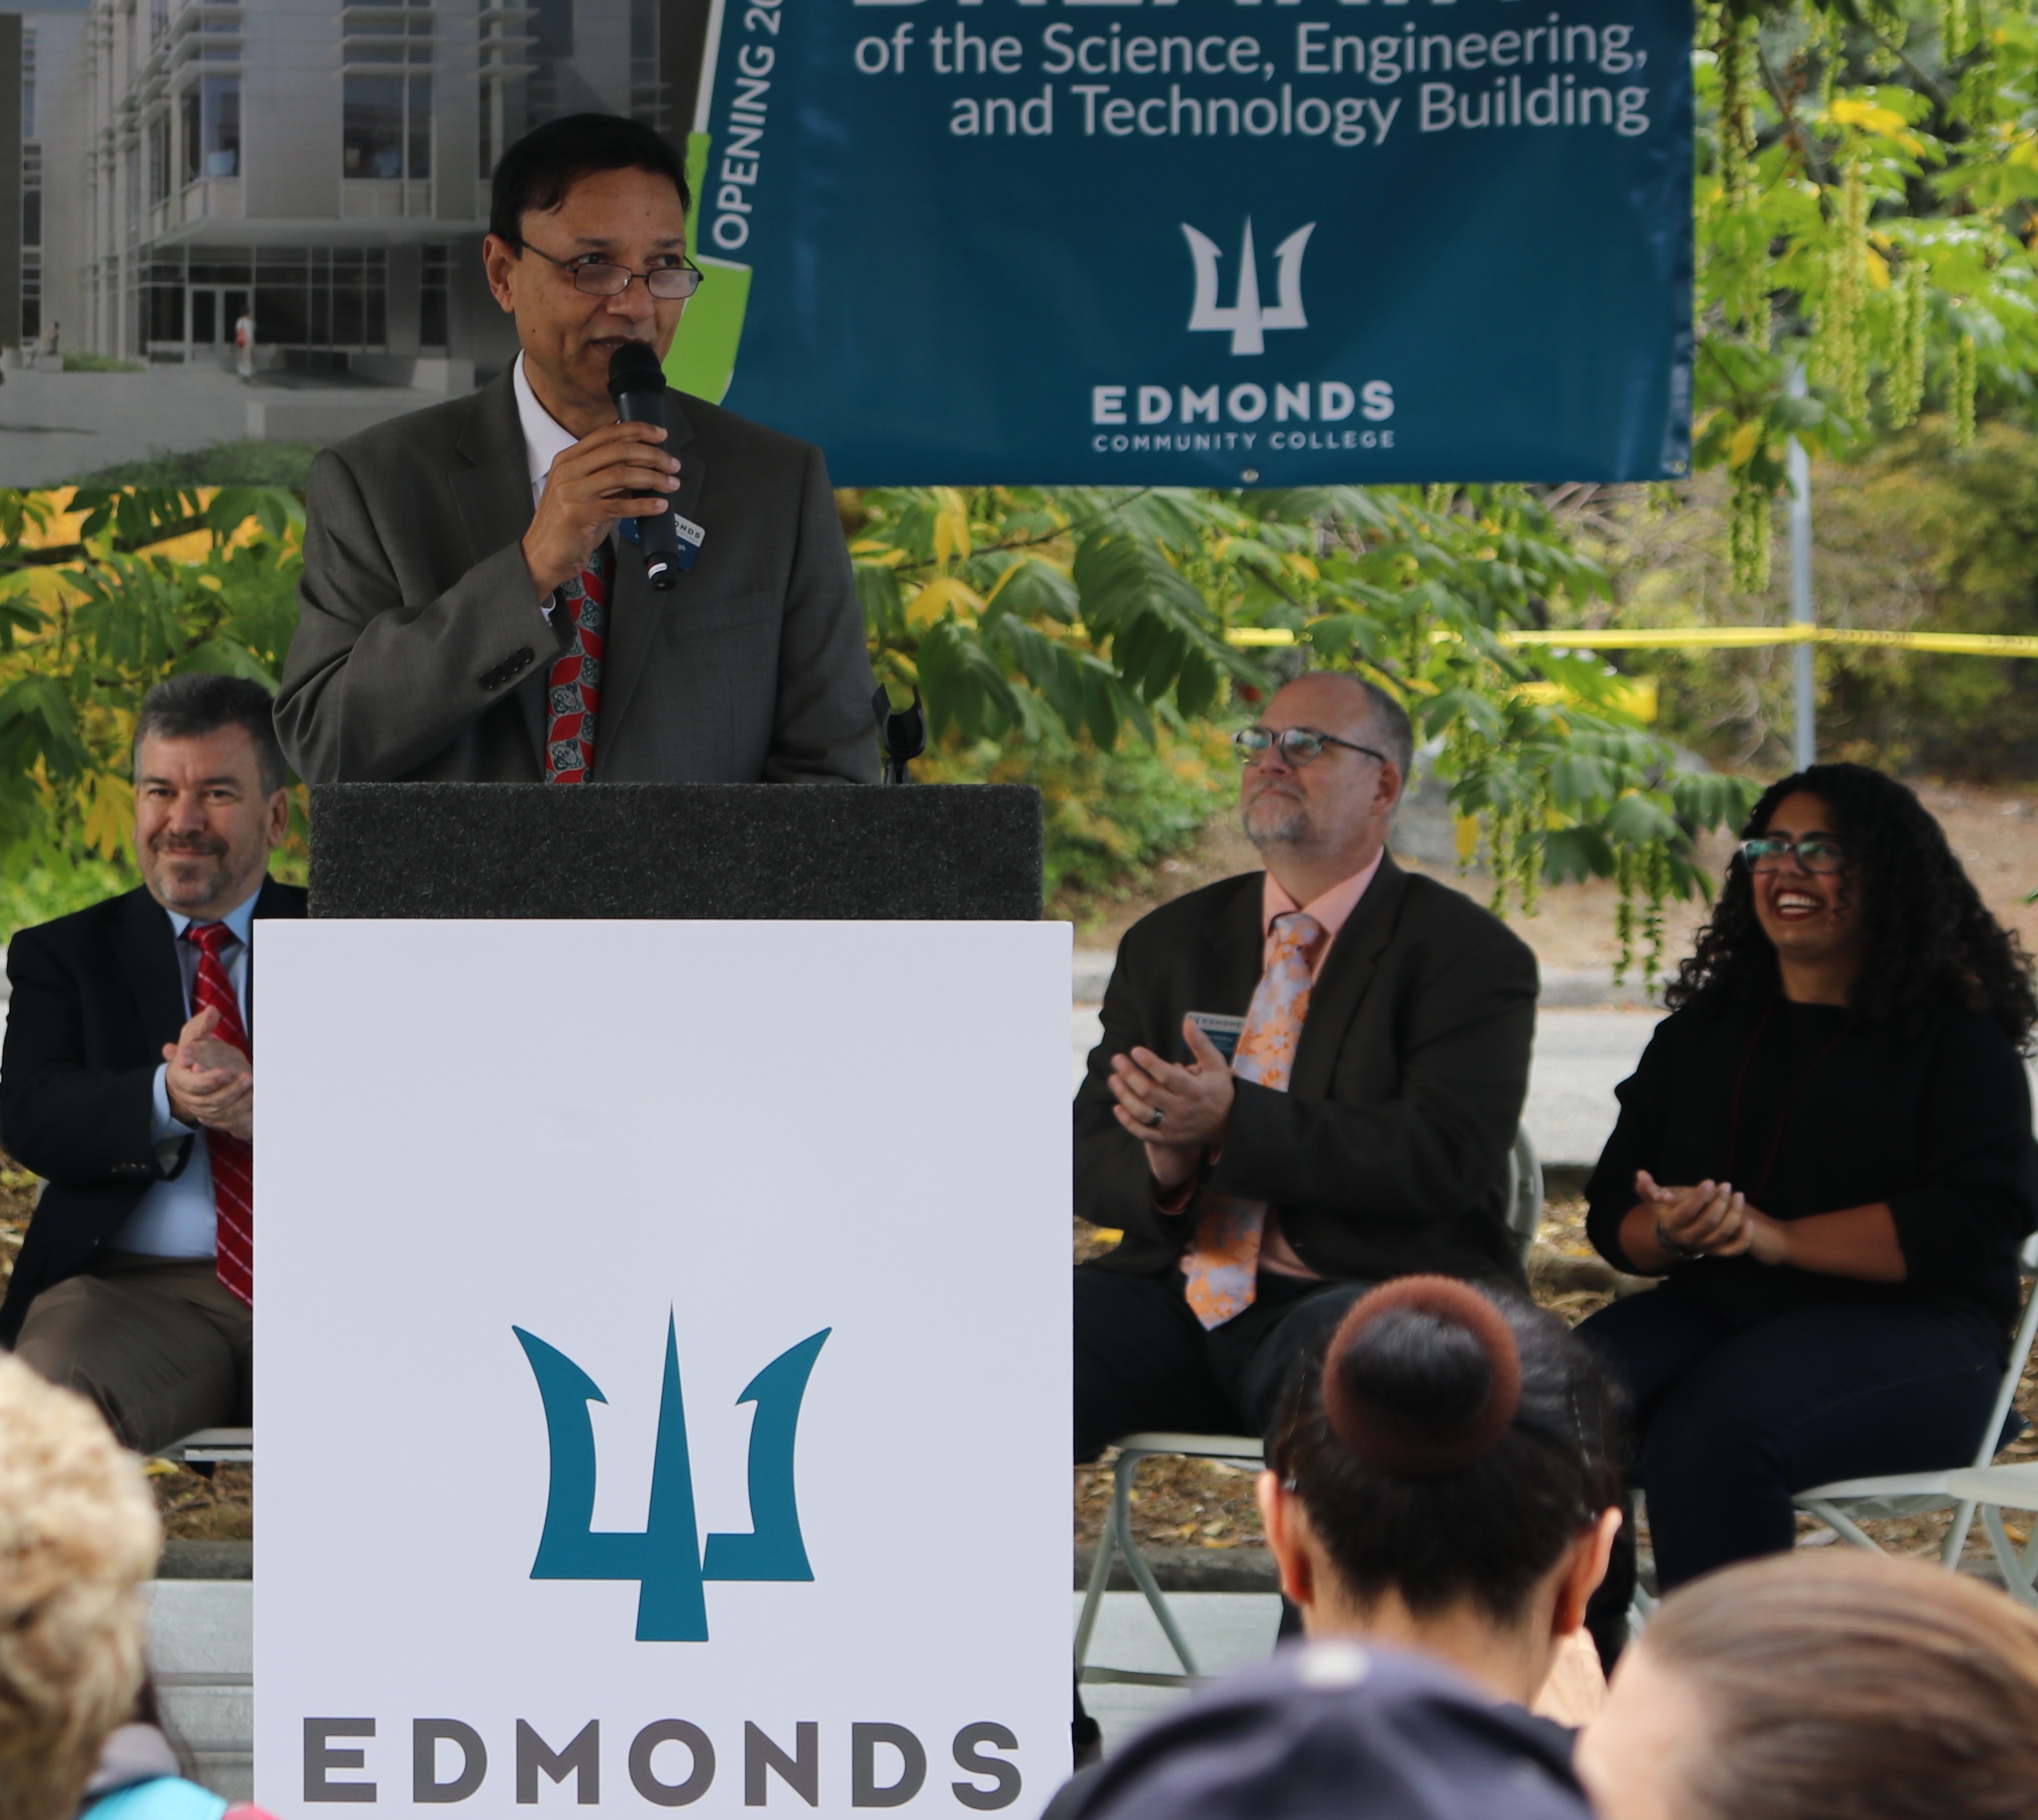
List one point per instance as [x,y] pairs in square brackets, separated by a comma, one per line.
[1712,1217]
[208,1082]
[1176,1112]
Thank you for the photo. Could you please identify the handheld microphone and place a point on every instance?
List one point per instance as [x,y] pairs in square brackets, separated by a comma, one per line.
[637,382]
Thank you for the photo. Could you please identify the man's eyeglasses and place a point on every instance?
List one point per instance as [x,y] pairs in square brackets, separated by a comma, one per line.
[1299,745]
[599,278]
[1767,853]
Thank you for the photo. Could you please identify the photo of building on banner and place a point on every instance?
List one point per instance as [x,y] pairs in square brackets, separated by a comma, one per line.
[1205,242]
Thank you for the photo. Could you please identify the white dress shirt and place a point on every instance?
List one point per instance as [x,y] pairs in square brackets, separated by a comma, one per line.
[545,437]
[175,1218]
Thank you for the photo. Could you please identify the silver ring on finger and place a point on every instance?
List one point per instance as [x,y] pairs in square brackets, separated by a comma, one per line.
[1154,1117]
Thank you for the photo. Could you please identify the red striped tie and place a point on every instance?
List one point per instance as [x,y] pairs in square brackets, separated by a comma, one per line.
[573,698]
[233,1158]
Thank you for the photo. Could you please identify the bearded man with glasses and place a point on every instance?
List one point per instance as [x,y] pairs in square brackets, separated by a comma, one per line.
[472,607]
[1310,1080]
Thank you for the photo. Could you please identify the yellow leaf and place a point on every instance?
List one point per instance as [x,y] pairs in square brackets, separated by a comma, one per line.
[951,525]
[1850,113]
[1878,268]
[1466,828]
[944,592]
[108,803]
[1746,440]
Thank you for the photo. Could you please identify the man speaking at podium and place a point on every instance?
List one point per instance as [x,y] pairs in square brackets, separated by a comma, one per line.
[469,612]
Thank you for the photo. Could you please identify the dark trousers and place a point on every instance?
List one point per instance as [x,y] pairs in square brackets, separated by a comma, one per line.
[1143,1360]
[1734,1420]
[160,1343]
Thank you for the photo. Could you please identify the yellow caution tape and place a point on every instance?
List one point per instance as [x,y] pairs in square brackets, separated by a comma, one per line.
[1728,638]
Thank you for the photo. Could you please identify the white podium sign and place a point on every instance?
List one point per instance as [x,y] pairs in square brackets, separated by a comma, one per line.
[662,1366]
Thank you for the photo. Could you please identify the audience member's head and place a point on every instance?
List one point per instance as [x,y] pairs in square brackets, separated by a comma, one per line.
[1852,1687]
[1338,799]
[210,800]
[78,1535]
[1871,879]
[1335,1730]
[1449,1479]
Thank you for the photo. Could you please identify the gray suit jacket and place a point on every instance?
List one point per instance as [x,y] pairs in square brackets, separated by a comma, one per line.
[420,650]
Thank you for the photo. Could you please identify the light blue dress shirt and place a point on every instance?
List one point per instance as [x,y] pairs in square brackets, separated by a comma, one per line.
[175,1218]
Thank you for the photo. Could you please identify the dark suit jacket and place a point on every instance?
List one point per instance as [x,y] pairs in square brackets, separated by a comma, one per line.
[96,994]
[420,650]
[1388,1153]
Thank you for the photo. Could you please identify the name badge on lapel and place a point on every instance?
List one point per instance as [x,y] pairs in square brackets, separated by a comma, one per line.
[690,536]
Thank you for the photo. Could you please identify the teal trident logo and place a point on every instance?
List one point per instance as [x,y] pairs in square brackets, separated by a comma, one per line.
[666,1558]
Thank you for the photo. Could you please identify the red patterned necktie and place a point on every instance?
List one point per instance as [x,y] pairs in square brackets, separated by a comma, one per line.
[573,692]
[233,1158]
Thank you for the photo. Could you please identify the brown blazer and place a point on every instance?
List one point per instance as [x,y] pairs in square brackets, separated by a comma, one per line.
[1388,1153]
[420,650]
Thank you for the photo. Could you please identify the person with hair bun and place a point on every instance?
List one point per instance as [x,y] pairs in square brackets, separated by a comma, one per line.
[1440,1496]
[1448,1480]
[1852,1687]
[1826,1150]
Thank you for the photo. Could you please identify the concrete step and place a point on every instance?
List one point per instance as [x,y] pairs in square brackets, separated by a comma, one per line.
[202,1655]
[1225,1631]
[1190,1570]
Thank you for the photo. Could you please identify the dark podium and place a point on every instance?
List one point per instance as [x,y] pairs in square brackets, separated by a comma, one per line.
[847,853]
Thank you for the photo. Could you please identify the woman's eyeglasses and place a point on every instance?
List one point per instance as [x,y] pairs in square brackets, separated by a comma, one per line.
[600,279]
[1767,853]
[1299,745]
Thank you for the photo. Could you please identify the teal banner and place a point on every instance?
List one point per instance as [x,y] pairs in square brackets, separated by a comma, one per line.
[1215,243]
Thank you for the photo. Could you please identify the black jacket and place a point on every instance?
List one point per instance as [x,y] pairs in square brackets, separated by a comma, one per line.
[1388,1153]
[96,994]
[1810,1110]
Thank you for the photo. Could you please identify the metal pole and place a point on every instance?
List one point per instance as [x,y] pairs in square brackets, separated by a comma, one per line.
[1804,741]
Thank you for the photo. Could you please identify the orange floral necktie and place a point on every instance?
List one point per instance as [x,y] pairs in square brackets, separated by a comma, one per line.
[1223,1262]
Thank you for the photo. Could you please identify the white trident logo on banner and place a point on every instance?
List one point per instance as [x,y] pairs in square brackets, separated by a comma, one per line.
[1246,319]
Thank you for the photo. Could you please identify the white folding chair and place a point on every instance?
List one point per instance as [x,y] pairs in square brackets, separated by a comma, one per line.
[1117,1539]
[1524,1195]
[1993,1490]
[1846,1504]
[1524,1218]
[213,1446]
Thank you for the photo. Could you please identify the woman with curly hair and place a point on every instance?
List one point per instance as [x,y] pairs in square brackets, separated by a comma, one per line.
[1826,1153]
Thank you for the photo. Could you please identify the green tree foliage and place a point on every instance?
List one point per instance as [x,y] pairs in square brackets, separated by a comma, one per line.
[104,591]
[1026,615]
[1919,534]
[1867,180]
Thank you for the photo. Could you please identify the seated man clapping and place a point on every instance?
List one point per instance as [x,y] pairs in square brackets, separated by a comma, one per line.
[128,1082]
